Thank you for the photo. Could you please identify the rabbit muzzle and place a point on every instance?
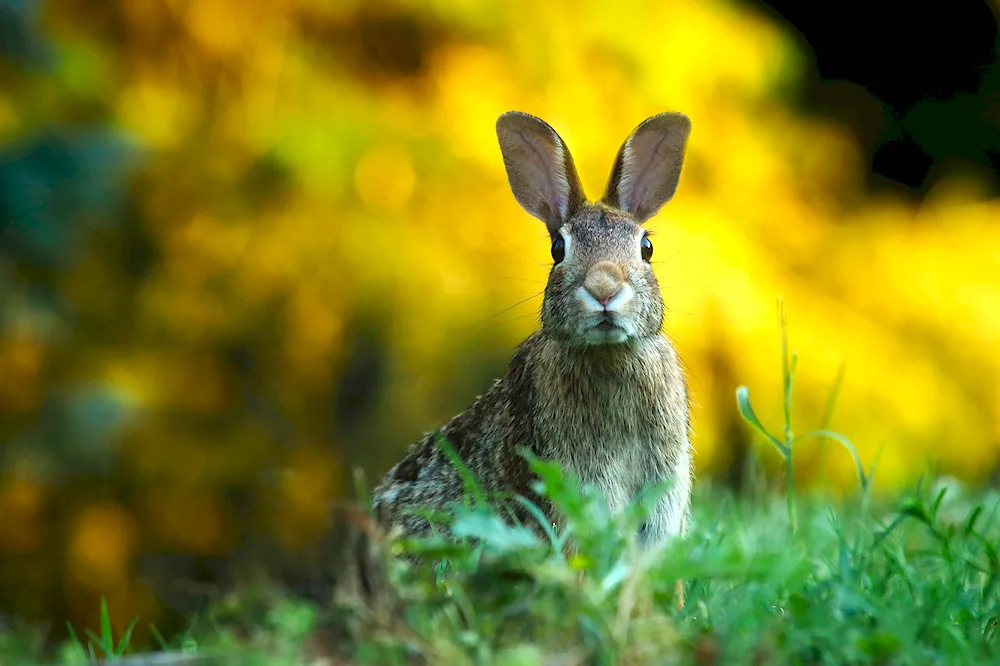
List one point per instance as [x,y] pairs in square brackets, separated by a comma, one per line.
[605,296]
[605,284]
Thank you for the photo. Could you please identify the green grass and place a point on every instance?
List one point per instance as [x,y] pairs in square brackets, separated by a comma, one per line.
[770,579]
[912,581]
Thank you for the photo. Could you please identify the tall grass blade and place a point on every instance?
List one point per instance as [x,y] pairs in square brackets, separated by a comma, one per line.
[746,411]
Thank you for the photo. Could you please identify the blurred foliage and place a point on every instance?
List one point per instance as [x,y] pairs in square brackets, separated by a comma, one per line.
[247,247]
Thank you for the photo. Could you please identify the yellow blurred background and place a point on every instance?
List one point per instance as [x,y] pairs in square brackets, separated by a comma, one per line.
[319,259]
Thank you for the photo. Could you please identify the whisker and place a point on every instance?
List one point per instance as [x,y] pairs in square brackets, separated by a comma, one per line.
[669,257]
[680,357]
[706,317]
[522,291]
[546,264]
[520,279]
[685,284]
[679,269]
[518,318]
[521,302]
[690,314]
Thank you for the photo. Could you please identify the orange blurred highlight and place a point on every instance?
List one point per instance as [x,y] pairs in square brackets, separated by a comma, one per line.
[21,361]
[102,542]
[186,520]
[21,503]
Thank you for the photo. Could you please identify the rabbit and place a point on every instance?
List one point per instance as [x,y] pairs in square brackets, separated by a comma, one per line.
[598,388]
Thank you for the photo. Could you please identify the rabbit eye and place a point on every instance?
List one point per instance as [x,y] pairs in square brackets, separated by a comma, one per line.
[647,249]
[558,250]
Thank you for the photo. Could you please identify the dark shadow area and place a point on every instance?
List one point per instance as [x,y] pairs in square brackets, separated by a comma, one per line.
[918,84]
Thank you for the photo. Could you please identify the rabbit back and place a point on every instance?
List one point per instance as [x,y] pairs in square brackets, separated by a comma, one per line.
[486,436]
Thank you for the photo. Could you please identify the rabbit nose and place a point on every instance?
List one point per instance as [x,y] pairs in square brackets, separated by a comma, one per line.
[604,281]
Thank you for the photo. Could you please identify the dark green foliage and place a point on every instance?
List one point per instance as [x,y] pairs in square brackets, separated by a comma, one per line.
[911,581]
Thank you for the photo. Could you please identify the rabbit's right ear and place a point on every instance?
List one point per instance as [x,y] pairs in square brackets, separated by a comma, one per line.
[539,168]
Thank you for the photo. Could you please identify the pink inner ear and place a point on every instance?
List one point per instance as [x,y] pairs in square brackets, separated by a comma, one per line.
[544,174]
[638,181]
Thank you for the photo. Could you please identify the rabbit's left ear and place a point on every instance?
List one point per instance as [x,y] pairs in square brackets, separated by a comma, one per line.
[648,166]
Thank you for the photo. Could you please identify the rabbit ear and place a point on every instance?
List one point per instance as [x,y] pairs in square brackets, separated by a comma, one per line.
[648,166]
[539,168]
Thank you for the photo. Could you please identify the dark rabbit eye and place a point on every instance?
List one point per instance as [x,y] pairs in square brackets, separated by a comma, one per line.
[558,250]
[647,249]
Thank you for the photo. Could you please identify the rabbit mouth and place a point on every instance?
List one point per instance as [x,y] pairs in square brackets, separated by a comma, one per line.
[605,331]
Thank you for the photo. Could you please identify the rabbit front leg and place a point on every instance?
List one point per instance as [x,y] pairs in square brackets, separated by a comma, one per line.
[668,517]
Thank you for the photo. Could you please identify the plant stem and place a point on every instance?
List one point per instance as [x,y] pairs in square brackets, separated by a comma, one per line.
[788,364]
[790,494]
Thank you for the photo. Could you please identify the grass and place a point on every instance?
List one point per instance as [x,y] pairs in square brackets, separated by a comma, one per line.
[769,580]
[912,581]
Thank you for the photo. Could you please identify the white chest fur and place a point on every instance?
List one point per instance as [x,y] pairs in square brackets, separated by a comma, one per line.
[620,468]
[620,422]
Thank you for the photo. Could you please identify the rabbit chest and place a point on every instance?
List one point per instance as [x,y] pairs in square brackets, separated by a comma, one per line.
[616,417]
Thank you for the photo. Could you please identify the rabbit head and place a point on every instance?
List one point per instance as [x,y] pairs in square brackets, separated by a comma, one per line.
[601,288]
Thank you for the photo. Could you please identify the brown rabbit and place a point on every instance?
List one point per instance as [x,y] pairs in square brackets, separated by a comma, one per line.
[598,389]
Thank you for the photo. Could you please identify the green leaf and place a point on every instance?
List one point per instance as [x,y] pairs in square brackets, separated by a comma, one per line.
[846,443]
[649,496]
[94,638]
[542,519]
[76,640]
[746,411]
[491,530]
[787,364]
[547,471]
[468,478]
[436,517]
[126,637]
[520,655]
[159,638]
[883,534]
[619,572]
[831,400]
[994,563]
[970,523]
[434,549]
[107,642]
[937,501]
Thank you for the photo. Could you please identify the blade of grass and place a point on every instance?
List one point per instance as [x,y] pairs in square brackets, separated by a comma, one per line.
[746,411]
[159,638]
[126,638]
[107,642]
[537,514]
[471,485]
[823,434]
[787,372]
[827,421]
[76,640]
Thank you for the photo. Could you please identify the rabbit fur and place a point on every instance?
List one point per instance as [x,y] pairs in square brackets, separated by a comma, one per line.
[598,388]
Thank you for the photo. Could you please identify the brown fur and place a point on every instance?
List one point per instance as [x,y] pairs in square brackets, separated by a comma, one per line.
[600,391]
